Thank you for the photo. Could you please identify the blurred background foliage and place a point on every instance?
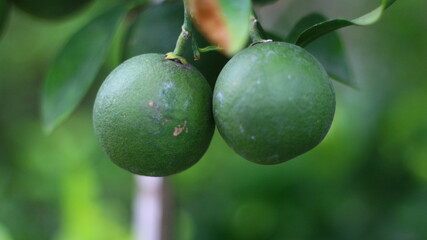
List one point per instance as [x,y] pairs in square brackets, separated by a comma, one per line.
[367,180]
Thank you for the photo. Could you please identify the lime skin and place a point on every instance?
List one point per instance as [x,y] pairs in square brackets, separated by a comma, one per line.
[51,9]
[272,102]
[153,116]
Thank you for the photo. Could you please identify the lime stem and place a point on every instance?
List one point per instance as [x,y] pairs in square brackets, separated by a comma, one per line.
[209,49]
[256,31]
[186,31]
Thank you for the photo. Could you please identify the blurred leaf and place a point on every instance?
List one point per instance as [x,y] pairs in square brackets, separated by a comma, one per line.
[155,30]
[4,233]
[76,66]
[328,49]
[312,33]
[225,23]
[273,36]
[4,10]
[263,2]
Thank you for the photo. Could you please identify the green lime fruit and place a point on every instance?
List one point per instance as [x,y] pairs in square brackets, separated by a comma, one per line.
[51,9]
[272,102]
[4,10]
[156,30]
[153,116]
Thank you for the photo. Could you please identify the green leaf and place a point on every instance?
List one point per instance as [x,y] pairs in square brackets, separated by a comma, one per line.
[330,52]
[263,2]
[328,49]
[75,68]
[236,14]
[4,10]
[313,32]
[225,23]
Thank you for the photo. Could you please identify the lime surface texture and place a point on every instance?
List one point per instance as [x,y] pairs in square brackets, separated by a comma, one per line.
[51,9]
[153,116]
[273,102]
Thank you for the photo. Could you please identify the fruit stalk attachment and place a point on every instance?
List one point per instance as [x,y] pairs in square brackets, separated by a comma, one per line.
[184,36]
[186,33]
[255,30]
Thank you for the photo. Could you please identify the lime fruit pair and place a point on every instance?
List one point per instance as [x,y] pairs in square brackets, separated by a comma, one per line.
[272,102]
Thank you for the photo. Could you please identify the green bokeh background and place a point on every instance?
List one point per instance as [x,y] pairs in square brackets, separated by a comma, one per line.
[366,180]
